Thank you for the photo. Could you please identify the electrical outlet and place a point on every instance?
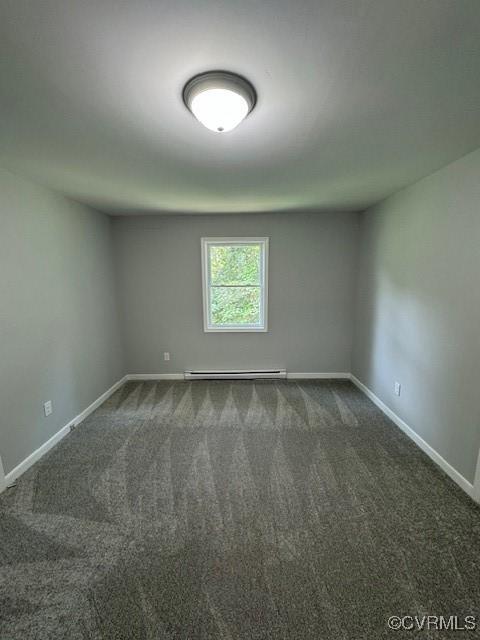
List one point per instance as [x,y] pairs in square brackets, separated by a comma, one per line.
[48,408]
[398,388]
[166,355]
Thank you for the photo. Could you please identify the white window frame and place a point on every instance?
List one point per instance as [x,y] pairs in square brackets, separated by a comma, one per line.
[206,287]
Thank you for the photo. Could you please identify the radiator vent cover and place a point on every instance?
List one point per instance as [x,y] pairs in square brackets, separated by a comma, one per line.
[235,374]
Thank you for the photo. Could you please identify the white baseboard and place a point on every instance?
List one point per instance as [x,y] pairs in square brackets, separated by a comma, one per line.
[335,375]
[17,471]
[46,446]
[96,403]
[154,376]
[457,477]
[290,376]
[3,482]
[476,482]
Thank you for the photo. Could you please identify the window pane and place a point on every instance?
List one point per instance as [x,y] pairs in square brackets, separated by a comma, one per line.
[239,305]
[235,264]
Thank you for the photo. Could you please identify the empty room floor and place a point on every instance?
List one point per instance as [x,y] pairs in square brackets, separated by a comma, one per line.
[235,510]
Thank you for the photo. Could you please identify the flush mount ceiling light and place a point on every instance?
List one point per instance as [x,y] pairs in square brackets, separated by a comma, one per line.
[219,100]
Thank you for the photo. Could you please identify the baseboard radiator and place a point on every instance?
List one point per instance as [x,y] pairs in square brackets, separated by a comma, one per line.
[235,374]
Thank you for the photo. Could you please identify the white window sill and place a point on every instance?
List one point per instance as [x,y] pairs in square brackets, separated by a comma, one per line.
[235,330]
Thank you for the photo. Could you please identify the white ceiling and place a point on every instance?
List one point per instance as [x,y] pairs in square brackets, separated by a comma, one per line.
[356,98]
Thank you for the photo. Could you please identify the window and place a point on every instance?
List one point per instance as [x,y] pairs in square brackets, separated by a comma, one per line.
[234,274]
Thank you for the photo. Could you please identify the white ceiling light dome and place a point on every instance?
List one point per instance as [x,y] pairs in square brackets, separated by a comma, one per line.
[219,100]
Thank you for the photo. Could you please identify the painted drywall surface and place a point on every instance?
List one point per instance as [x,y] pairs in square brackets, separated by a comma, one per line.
[418,308]
[355,99]
[58,314]
[311,280]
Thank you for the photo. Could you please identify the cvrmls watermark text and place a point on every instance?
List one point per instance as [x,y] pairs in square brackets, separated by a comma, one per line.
[432,623]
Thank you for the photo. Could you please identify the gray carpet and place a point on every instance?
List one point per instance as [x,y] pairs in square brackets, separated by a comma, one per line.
[245,510]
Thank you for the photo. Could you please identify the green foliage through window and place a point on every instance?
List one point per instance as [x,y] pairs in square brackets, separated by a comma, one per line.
[235,264]
[238,305]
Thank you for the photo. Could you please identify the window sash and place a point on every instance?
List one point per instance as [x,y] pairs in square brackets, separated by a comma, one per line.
[209,325]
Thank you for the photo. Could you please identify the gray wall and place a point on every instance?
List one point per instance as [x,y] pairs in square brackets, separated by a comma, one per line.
[58,316]
[418,312]
[311,290]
